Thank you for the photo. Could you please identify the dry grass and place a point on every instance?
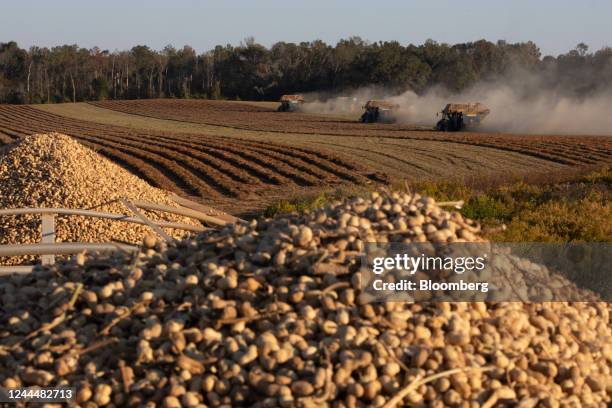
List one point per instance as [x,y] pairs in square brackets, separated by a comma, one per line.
[537,208]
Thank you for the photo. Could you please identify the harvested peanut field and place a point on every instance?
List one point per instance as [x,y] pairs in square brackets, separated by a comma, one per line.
[241,156]
[560,149]
[214,169]
[406,154]
[273,313]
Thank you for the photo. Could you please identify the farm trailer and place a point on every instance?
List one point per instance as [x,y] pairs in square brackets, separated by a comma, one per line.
[459,116]
[47,248]
[379,111]
[290,103]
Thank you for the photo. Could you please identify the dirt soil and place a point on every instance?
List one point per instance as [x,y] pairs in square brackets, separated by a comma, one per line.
[241,156]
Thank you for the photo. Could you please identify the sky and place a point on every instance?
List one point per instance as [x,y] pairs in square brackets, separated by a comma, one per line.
[556,26]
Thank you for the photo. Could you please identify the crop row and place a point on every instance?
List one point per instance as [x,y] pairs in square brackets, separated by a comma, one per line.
[203,166]
[570,150]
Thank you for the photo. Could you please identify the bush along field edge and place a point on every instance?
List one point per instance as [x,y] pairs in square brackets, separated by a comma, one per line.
[543,208]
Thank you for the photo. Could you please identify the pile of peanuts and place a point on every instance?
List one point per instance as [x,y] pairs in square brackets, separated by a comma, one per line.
[270,313]
[55,171]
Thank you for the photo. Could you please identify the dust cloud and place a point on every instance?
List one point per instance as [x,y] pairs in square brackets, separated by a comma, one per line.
[348,103]
[521,104]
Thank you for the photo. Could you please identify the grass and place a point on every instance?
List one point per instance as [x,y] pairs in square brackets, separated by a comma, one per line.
[307,203]
[557,209]
[299,205]
[560,208]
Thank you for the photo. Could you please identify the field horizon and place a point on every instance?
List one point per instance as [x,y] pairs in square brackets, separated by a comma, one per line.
[333,152]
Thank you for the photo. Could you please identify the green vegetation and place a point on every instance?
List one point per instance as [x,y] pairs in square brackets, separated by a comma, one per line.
[300,205]
[251,71]
[99,86]
[572,210]
[307,203]
[579,209]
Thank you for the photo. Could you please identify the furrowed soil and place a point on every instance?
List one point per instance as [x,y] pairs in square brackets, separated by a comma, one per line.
[562,149]
[241,156]
[239,175]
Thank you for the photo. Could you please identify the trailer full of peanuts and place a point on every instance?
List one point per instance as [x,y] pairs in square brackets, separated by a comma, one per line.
[270,313]
[54,171]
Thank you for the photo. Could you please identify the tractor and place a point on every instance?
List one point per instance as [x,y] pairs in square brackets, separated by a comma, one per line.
[290,103]
[461,116]
[379,111]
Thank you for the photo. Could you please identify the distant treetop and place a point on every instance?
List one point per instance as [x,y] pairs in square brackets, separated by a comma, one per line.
[251,71]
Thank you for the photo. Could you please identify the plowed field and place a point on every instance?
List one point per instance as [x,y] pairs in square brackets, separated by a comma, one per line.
[570,150]
[231,173]
[241,156]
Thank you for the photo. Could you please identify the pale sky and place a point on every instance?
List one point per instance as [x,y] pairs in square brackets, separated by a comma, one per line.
[555,25]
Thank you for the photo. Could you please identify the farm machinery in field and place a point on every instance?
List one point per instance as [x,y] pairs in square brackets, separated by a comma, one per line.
[459,116]
[379,111]
[290,103]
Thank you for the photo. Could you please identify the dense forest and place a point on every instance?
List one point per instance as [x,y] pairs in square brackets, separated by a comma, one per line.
[251,71]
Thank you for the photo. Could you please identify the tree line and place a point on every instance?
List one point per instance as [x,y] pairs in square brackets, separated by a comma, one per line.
[70,73]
